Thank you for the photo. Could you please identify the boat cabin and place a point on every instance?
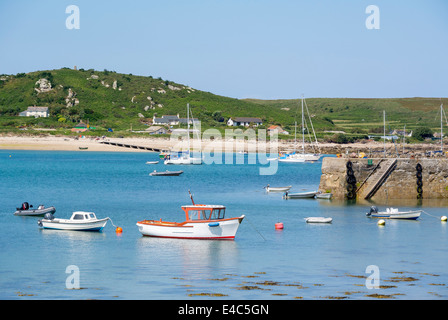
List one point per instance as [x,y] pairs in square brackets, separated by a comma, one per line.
[81,215]
[204,212]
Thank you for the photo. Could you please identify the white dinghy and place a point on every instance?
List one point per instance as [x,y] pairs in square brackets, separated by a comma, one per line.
[277,189]
[318,220]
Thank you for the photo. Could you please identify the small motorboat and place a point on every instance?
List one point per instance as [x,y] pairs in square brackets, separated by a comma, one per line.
[318,220]
[79,221]
[166,173]
[322,195]
[205,222]
[152,162]
[393,213]
[277,189]
[26,210]
[300,195]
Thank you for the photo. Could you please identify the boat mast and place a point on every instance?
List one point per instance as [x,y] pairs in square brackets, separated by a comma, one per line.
[191,197]
[188,127]
[441,127]
[295,136]
[404,137]
[303,129]
[384,131]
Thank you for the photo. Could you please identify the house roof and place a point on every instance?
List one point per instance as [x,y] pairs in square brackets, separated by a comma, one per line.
[37,109]
[81,125]
[248,119]
[170,117]
[161,120]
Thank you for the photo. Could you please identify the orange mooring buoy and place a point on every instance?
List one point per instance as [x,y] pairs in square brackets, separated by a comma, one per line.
[279,225]
[118,230]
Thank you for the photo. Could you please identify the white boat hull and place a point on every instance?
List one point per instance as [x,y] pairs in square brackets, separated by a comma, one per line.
[213,230]
[412,215]
[291,160]
[300,157]
[302,195]
[278,189]
[64,224]
[318,220]
[184,161]
[323,196]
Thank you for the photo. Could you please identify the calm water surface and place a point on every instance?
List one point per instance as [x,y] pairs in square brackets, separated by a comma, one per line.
[302,261]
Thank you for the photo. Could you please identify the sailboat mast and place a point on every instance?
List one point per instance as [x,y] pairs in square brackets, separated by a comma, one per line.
[295,136]
[404,137]
[303,129]
[188,127]
[441,127]
[384,131]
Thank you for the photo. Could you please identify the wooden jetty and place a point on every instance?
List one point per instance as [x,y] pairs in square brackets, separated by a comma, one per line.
[131,146]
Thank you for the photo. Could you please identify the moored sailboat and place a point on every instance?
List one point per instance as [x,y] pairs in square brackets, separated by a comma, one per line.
[183,157]
[301,157]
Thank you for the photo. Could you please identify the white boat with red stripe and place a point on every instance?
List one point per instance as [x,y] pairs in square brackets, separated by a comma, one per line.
[201,222]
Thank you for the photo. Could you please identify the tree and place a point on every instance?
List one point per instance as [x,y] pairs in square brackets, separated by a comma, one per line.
[421,133]
[217,116]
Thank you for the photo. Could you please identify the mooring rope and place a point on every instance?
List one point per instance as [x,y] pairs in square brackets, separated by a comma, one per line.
[430,214]
[112,222]
[255,228]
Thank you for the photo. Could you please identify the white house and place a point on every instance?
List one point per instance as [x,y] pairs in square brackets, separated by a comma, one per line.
[173,120]
[166,120]
[277,129]
[35,112]
[244,121]
[156,130]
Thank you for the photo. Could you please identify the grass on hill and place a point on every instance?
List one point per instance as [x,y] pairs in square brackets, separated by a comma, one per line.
[136,99]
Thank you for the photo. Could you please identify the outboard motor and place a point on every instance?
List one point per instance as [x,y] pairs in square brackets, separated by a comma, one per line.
[25,206]
[373,209]
[48,216]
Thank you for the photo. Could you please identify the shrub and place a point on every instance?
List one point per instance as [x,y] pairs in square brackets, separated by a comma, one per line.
[423,132]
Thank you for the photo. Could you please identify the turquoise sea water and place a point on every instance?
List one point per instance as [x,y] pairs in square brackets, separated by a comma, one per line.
[301,261]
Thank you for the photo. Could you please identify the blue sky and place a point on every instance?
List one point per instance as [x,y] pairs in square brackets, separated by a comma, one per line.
[240,48]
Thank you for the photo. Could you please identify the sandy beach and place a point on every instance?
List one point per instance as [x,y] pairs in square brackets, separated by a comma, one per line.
[70,143]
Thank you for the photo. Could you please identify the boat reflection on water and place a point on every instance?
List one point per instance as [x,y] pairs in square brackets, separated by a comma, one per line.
[193,257]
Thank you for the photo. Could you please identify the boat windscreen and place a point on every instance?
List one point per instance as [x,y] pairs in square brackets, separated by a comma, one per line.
[206,214]
[194,215]
[218,213]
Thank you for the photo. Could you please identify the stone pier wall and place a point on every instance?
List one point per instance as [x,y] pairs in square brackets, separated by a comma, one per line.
[400,184]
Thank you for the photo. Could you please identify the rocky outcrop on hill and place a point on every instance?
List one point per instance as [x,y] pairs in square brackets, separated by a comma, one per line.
[44,85]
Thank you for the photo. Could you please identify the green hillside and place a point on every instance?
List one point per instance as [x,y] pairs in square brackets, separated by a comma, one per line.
[106,99]
[367,114]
